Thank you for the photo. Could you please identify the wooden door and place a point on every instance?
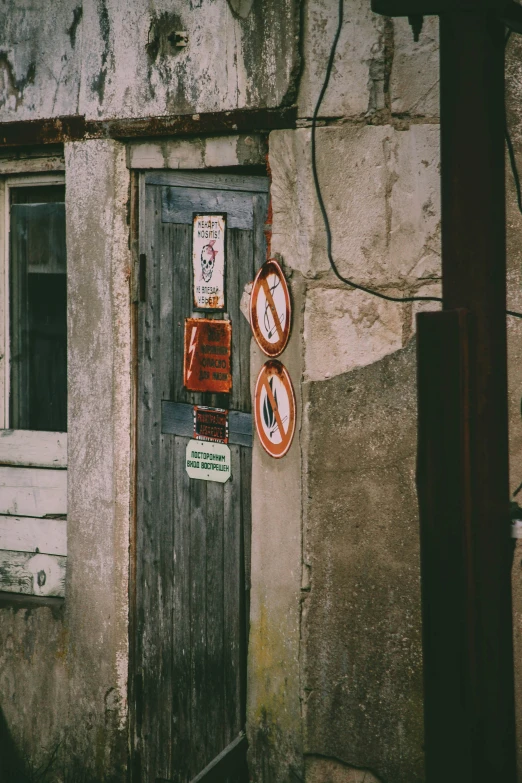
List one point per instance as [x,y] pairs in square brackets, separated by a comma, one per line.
[193,536]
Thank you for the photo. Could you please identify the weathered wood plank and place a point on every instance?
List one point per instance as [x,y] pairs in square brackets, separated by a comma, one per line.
[198,612]
[163,547]
[147,638]
[32,165]
[29,534]
[260,227]
[181,643]
[233,582]
[246,579]
[214,612]
[32,492]
[179,206]
[182,308]
[29,574]
[240,250]
[33,449]
[204,181]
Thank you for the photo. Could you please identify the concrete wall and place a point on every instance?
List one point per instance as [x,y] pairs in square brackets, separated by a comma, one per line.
[99,438]
[107,58]
[360,683]
[64,665]
[359,612]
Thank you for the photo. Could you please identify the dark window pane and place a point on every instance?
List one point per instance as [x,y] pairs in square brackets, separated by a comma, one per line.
[38,303]
[43,194]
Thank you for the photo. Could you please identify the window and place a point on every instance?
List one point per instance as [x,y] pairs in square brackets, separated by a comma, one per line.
[37,349]
[33,386]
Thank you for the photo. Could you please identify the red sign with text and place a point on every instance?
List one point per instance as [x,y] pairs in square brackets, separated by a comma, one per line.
[208,346]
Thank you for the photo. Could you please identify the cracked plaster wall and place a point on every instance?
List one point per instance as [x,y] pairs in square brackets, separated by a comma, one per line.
[64,667]
[359,610]
[105,58]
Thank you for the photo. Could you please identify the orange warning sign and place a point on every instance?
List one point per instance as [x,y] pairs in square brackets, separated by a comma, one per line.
[274,409]
[207,355]
[270,309]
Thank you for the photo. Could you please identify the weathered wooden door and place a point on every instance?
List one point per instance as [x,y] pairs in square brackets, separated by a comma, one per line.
[193,536]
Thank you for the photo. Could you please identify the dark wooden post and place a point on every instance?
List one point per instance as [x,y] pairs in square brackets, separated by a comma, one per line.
[463,433]
[474,277]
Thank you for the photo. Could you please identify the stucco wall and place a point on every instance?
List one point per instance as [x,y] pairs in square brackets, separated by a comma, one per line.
[378,157]
[99,438]
[359,609]
[107,58]
[64,664]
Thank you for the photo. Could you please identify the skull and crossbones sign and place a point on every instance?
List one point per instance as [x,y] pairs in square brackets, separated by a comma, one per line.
[208,258]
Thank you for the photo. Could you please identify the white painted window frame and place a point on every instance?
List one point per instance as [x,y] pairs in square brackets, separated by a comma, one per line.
[7,183]
[33,548]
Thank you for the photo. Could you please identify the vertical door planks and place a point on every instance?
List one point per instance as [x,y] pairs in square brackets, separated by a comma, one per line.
[193,536]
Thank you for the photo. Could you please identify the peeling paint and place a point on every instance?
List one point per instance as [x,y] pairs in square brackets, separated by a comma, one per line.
[11,88]
[73,29]
[241,7]
[98,81]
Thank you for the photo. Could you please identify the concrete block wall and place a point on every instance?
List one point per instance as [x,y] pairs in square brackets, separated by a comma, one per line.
[359,646]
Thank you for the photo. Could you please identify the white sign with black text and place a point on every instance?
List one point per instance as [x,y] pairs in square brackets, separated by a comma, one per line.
[208,261]
[208,461]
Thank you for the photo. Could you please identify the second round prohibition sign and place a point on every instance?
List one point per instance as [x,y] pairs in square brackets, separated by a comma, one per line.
[274,409]
[270,310]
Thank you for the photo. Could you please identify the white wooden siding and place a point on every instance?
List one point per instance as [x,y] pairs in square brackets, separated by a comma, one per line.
[30,574]
[33,492]
[27,534]
[33,449]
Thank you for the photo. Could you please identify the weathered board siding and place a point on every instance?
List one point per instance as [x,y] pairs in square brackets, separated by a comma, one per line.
[193,537]
[32,492]
[33,505]
[30,574]
[33,449]
[28,534]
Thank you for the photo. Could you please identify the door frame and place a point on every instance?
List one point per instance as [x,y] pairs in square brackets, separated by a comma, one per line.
[139,178]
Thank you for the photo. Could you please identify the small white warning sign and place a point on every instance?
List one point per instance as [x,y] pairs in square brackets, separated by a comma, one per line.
[208,461]
[208,261]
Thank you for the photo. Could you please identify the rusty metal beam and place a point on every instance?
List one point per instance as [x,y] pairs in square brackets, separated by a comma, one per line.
[75,128]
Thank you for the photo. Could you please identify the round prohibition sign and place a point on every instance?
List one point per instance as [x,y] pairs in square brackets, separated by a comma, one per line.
[274,409]
[270,309]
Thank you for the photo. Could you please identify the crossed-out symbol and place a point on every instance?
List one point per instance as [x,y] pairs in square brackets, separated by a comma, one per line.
[265,428]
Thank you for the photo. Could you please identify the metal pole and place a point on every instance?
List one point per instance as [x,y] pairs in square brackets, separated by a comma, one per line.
[474,280]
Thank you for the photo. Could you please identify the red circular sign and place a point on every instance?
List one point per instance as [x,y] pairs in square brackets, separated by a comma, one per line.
[270,309]
[274,409]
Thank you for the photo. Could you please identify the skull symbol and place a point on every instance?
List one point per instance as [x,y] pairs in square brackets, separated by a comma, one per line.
[208,257]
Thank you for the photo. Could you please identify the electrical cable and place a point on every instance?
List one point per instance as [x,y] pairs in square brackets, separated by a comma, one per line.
[319,195]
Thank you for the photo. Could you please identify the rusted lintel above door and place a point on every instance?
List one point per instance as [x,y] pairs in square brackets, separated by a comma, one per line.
[76,128]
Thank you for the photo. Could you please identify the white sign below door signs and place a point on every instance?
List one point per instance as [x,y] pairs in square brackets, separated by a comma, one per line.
[208,461]
[208,261]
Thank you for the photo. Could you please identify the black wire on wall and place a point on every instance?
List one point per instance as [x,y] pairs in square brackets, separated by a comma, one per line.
[320,199]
